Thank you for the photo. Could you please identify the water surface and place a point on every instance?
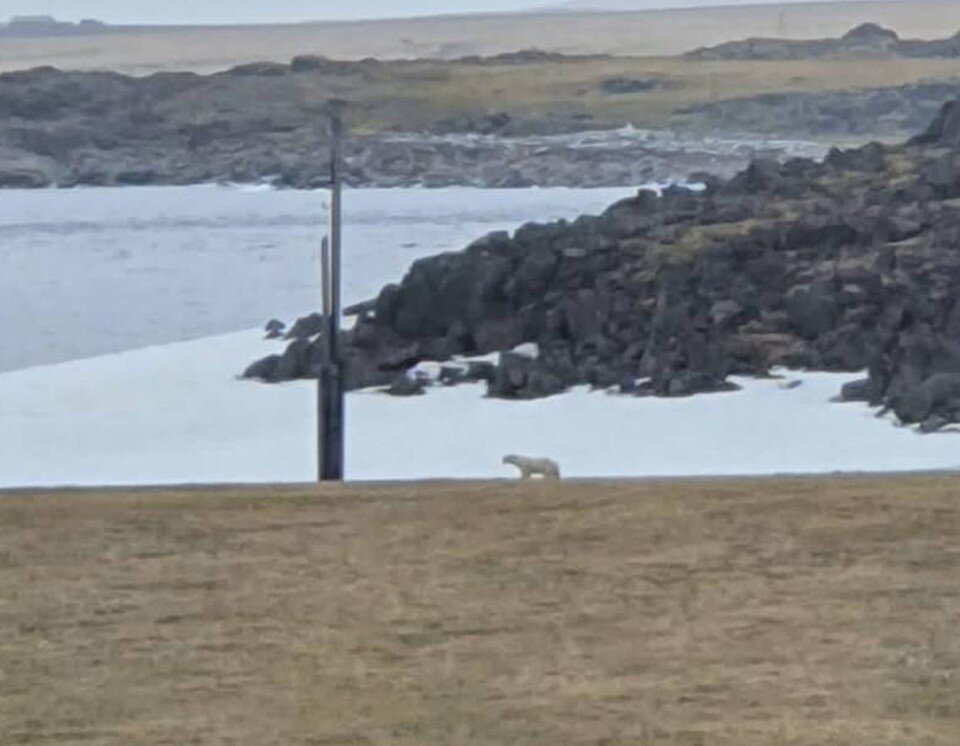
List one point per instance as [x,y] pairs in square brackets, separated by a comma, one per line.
[85,272]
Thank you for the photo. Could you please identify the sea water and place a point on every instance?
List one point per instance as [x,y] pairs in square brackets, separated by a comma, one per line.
[85,272]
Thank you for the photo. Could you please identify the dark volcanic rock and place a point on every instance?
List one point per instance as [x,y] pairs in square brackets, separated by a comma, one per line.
[812,309]
[889,112]
[253,124]
[847,265]
[866,40]
[306,327]
[263,370]
[296,362]
[944,131]
[868,158]
[933,424]
[274,329]
[18,177]
[521,377]
[858,391]
[626,86]
[481,371]
[451,375]
[405,386]
[923,400]
[943,176]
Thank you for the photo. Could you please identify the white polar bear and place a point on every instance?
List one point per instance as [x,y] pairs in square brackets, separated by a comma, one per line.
[529,467]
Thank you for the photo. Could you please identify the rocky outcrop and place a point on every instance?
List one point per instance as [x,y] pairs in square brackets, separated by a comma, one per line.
[627,86]
[54,131]
[892,113]
[866,40]
[944,130]
[262,123]
[843,265]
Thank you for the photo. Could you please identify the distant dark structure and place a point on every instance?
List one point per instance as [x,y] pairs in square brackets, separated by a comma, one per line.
[34,26]
[31,21]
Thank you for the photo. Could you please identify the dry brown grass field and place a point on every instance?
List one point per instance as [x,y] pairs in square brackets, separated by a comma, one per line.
[734,613]
[415,95]
[651,33]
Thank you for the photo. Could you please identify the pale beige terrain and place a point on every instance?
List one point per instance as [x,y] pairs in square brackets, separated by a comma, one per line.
[732,613]
[650,33]
[436,90]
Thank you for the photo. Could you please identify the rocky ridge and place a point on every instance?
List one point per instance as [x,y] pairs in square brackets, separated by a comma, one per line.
[848,264]
[866,40]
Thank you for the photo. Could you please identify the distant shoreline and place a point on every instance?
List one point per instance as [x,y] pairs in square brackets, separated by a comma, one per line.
[652,33]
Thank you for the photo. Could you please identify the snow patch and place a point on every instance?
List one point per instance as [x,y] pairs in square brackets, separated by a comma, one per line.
[529,350]
[176,414]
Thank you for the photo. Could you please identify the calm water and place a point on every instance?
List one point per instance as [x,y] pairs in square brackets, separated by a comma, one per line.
[87,272]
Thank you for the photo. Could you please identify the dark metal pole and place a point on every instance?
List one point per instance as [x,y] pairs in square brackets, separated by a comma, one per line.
[325,281]
[323,377]
[331,394]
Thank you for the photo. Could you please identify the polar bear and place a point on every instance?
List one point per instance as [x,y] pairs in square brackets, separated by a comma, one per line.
[529,467]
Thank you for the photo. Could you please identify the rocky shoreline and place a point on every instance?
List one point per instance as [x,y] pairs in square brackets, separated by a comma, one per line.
[263,124]
[841,265]
[601,158]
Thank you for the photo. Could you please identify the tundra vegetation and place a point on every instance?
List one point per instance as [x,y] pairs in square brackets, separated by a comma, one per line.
[731,613]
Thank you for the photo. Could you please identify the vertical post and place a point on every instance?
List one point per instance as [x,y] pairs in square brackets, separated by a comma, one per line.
[331,395]
[325,282]
[323,377]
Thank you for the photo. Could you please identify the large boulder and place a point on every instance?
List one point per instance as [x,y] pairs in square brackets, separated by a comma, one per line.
[521,377]
[493,335]
[274,329]
[944,131]
[943,175]
[921,401]
[688,383]
[23,178]
[307,326]
[263,370]
[481,370]
[871,157]
[812,309]
[862,390]
[933,424]
[296,361]
[406,386]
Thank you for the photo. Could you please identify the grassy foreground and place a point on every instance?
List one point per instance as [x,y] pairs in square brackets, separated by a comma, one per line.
[733,613]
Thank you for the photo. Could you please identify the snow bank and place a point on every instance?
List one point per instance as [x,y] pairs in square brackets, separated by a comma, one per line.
[176,414]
